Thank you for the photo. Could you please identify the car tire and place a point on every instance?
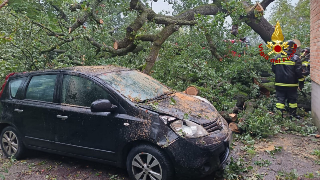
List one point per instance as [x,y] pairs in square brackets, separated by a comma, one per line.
[11,143]
[148,162]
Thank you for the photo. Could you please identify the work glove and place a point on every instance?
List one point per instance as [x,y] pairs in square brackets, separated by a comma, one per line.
[301,85]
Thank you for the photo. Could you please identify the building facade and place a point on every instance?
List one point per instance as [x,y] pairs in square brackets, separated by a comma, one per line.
[315,59]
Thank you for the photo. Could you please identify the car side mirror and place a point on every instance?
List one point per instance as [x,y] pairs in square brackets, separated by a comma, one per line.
[102,105]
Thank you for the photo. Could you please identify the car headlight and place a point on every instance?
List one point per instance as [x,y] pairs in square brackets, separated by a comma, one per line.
[186,128]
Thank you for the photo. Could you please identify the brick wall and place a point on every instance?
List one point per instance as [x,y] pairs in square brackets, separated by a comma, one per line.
[315,60]
[315,40]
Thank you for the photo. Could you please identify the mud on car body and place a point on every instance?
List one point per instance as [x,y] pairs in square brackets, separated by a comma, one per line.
[113,115]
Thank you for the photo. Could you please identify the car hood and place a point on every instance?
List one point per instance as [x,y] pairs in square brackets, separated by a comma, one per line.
[183,106]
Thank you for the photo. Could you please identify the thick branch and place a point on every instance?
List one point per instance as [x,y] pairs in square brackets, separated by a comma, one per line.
[3,3]
[137,5]
[262,27]
[162,36]
[265,3]
[80,21]
[94,15]
[55,46]
[146,37]
[61,13]
[74,7]
[132,30]
[48,31]
[259,24]
[208,9]
[167,20]
[114,52]
[213,48]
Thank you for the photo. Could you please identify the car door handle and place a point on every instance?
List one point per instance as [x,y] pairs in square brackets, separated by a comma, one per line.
[62,117]
[18,110]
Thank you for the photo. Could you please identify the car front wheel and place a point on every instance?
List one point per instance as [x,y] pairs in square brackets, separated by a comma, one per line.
[146,162]
[11,143]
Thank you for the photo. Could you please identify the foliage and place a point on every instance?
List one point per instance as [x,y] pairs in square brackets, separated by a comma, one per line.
[316,152]
[266,120]
[294,20]
[262,163]
[5,166]
[261,123]
[235,168]
[292,175]
[184,59]
[275,150]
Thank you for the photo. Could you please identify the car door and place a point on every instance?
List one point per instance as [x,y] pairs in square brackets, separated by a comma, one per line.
[10,113]
[80,131]
[36,119]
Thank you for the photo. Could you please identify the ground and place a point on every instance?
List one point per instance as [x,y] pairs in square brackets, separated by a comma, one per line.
[281,156]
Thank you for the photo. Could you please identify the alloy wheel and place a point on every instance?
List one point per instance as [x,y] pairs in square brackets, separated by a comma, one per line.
[146,167]
[10,143]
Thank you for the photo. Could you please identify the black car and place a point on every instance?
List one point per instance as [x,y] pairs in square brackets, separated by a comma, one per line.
[113,115]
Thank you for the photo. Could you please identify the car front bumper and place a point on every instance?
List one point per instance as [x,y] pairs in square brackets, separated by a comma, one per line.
[197,158]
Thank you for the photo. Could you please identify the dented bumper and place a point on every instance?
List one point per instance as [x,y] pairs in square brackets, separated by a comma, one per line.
[192,159]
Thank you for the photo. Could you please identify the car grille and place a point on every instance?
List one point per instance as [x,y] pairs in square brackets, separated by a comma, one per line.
[212,126]
[223,156]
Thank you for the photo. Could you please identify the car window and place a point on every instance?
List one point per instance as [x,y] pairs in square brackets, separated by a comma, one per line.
[41,88]
[135,85]
[81,91]
[14,86]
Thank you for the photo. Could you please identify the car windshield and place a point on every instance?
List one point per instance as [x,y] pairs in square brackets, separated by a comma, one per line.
[135,85]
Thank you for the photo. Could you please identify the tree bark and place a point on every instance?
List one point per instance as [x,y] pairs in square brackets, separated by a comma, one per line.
[156,46]
[265,3]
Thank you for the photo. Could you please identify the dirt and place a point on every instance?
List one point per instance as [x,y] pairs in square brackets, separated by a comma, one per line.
[296,153]
[40,165]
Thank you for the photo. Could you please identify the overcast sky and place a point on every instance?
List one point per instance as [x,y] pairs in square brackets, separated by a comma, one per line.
[165,6]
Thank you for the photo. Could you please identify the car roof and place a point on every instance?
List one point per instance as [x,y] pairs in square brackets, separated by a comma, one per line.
[88,70]
[95,70]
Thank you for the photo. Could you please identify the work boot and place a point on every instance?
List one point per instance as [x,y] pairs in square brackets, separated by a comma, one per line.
[292,112]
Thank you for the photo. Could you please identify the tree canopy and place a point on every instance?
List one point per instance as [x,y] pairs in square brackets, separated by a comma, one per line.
[190,47]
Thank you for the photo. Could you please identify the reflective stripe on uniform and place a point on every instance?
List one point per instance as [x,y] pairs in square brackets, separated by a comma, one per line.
[280,106]
[305,63]
[301,79]
[293,105]
[285,63]
[284,84]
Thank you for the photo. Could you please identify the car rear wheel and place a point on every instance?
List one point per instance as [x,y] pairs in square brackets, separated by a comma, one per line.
[146,162]
[11,143]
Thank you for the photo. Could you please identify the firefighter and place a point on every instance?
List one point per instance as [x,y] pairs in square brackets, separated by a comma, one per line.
[305,58]
[288,74]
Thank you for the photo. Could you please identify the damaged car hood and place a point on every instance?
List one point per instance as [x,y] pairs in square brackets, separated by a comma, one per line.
[183,106]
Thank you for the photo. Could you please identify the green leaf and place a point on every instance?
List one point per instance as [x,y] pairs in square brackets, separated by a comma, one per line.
[172,101]
[186,116]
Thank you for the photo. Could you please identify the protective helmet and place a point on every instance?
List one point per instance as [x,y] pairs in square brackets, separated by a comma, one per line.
[292,45]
